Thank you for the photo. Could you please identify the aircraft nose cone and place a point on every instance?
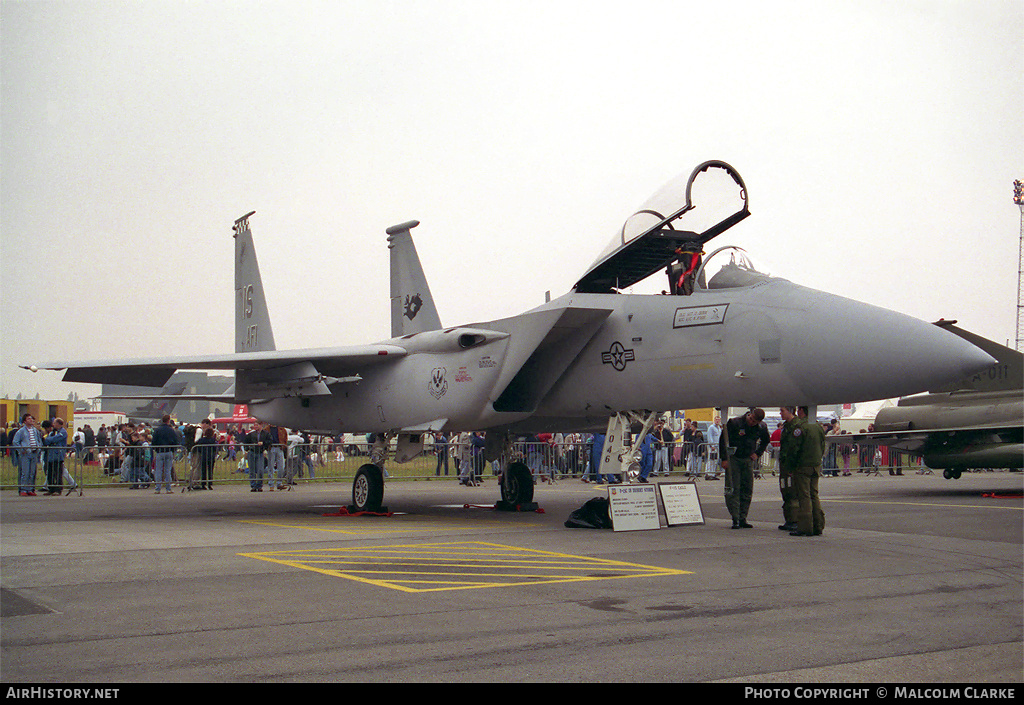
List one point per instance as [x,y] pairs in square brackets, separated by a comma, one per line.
[933,357]
[874,353]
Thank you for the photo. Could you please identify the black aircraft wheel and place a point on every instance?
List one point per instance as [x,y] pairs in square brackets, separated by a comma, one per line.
[517,484]
[948,474]
[368,489]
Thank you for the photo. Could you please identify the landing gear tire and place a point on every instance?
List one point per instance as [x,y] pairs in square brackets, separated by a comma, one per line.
[633,471]
[368,489]
[517,484]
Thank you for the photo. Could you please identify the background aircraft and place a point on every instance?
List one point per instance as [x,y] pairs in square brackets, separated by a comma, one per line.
[156,406]
[975,422]
[728,335]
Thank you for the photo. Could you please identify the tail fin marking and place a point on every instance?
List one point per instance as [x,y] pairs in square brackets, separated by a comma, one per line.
[412,305]
[252,320]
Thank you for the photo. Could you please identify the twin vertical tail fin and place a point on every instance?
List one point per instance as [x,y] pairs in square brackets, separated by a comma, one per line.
[1006,374]
[252,320]
[412,306]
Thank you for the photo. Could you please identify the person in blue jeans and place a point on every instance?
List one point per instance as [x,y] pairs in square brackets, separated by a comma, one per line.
[646,453]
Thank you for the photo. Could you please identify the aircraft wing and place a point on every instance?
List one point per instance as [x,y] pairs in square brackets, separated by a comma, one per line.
[925,440]
[263,371]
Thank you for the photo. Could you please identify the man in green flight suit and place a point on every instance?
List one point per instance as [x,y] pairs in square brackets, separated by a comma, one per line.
[810,518]
[790,445]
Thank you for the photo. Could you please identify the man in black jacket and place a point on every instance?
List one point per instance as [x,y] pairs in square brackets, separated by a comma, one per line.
[743,441]
[258,443]
[164,444]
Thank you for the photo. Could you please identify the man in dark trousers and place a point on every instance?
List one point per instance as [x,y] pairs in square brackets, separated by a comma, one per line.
[743,441]
[791,438]
[810,517]
[258,443]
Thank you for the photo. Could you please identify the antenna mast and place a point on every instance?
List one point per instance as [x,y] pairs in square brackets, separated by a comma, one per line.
[1018,198]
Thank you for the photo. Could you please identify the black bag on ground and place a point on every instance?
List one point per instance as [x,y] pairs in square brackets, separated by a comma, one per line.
[592,515]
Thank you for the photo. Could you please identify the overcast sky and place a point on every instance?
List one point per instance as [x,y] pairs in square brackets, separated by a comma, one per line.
[878,139]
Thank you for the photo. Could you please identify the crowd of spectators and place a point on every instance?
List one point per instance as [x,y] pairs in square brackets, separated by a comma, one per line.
[141,455]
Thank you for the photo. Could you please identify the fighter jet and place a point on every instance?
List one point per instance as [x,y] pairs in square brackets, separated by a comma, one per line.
[726,333]
[976,422]
[156,405]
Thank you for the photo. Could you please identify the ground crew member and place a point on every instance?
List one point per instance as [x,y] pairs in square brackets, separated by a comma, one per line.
[790,444]
[810,518]
[741,444]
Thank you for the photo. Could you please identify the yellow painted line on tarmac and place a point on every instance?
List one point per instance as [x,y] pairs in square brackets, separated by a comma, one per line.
[924,504]
[466,565]
[367,530]
[330,525]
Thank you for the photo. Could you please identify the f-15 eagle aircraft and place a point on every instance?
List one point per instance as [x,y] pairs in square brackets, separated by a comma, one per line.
[725,334]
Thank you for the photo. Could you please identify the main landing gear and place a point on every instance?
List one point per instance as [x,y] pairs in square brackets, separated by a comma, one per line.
[368,486]
[368,489]
[516,489]
[516,483]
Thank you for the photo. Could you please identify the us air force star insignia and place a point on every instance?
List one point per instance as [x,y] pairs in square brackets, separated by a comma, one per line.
[617,356]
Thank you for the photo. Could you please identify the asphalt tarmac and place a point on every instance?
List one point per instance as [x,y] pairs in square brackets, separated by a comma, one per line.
[916,579]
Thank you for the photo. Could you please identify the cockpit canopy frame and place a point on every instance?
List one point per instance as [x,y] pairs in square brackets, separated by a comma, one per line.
[678,231]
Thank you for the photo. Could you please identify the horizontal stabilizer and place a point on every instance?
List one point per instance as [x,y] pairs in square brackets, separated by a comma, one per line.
[224,397]
[166,394]
[301,379]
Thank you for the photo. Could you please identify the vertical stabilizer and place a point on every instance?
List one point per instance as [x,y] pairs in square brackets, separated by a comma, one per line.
[252,320]
[1006,374]
[412,306]
[159,406]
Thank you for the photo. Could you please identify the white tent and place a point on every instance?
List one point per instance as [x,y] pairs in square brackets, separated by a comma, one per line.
[863,414]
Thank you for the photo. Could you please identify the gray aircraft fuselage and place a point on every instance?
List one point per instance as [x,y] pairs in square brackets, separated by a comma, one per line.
[572,362]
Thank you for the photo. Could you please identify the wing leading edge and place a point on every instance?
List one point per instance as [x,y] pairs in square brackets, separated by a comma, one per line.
[264,369]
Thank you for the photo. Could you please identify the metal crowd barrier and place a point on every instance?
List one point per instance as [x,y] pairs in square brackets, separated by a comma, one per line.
[327,461]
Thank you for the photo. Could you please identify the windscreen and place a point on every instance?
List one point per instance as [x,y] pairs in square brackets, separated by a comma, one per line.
[729,268]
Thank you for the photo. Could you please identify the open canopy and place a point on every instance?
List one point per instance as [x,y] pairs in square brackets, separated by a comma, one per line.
[670,228]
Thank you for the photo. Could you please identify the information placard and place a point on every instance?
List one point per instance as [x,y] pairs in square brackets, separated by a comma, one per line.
[633,507]
[681,502]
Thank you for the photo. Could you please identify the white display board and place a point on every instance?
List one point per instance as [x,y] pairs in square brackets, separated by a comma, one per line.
[681,502]
[633,507]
